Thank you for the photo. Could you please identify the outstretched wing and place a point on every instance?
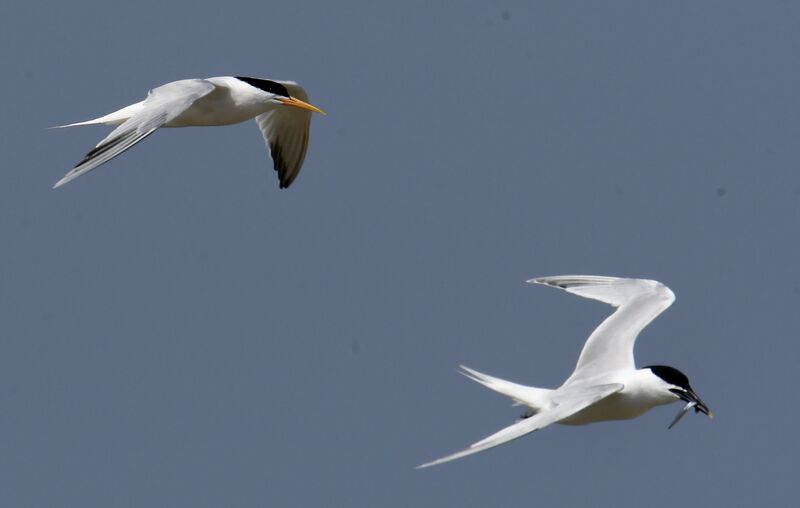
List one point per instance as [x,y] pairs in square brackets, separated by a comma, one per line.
[565,404]
[285,131]
[161,106]
[610,346]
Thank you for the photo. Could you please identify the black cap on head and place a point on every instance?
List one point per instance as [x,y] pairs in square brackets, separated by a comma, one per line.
[671,375]
[268,86]
[683,391]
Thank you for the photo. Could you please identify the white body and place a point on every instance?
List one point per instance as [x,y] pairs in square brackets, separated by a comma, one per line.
[231,101]
[605,384]
[207,102]
[641,392]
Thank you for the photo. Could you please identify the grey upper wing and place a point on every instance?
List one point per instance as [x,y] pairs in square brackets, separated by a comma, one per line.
[566,403]
[285,131]
[162,104]
[610,346]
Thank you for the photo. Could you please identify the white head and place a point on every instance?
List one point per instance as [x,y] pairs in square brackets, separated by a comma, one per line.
[278,93]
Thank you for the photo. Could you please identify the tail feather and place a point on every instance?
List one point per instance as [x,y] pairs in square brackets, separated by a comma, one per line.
[116,118]
[87,122]
[535,398]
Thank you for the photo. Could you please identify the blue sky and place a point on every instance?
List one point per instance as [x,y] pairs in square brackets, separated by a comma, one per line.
[177,331]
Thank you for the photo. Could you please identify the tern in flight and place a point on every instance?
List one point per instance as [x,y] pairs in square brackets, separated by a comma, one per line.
[279,107]
[605,385]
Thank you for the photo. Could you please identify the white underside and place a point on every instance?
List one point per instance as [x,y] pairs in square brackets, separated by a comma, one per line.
[618,406]
[642,391]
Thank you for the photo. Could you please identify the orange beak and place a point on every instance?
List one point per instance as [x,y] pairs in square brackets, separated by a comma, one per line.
[292,101]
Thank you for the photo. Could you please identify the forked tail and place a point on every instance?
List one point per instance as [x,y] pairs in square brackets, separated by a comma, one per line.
[535,398]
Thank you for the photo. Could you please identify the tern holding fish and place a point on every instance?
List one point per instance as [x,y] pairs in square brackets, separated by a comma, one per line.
[605,384]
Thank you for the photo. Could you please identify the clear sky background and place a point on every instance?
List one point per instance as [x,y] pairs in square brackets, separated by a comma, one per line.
[177,331]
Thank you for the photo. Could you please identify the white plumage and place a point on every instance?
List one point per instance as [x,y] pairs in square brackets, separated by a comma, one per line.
[605,384]
[215,101]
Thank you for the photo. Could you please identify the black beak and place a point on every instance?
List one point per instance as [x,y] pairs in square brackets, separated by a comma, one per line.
[692,401]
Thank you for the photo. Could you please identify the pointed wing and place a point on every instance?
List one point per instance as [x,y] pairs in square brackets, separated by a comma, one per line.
[565,404]
[285,131]
[610,346]
[162,105]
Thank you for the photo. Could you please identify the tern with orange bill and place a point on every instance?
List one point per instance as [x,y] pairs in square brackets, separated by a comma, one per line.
[280,108]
